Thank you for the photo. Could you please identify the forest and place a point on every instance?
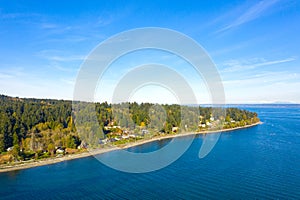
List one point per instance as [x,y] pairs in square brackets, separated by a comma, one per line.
[37,128]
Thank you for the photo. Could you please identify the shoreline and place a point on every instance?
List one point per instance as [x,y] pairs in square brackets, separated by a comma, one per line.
[50,161]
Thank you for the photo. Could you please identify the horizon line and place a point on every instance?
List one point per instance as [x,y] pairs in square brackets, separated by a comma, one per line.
[184,104]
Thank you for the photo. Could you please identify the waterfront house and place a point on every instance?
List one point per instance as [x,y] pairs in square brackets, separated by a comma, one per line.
[60,151]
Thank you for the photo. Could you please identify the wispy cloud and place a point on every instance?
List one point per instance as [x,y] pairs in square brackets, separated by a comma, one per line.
[252,13]
[63,68]
[236,65]
[12,72]
[5,76]
[104,21]
[68,81]
[58,56]
[263,87]
[234,47]
[264,79]
[65,58]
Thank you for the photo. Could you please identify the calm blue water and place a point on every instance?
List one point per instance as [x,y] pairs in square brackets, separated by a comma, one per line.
[255,163]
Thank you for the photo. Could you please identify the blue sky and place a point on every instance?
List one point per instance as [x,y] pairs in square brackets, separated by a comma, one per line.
[254,44]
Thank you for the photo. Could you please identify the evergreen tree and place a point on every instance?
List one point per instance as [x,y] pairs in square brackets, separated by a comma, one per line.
[2,145]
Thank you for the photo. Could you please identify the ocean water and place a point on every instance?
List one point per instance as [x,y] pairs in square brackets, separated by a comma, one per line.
[261,162]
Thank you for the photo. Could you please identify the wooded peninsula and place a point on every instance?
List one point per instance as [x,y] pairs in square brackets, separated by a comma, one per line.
[32,129]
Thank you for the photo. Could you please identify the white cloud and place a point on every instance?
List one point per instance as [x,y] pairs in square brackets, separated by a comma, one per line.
[65,58]
[63,69]
[12,72]
[237,65]
[5,76]
[264,87]
[252,13]
[59,56]
[69,81]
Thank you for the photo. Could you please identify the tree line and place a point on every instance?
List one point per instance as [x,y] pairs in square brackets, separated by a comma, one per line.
[32,126]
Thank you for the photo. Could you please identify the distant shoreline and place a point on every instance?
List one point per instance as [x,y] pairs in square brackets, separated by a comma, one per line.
[49,161]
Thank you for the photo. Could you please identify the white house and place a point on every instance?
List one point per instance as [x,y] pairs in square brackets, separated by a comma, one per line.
[202,125]
[125,136]
[9,148]
[174,129]
[208,123]
[60,151]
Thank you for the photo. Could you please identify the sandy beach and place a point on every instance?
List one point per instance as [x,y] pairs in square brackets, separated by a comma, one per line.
[49,161]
